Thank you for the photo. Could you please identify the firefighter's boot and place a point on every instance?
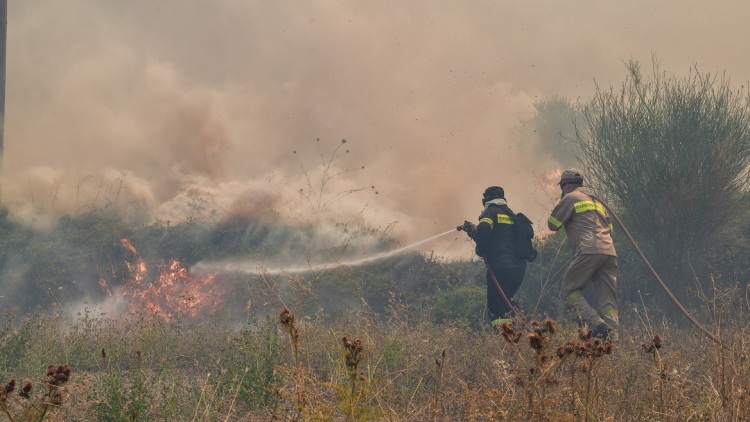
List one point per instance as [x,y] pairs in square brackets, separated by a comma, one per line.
[604,332]
[497,323]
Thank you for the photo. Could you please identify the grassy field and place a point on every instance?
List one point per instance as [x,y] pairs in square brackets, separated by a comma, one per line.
[362,366]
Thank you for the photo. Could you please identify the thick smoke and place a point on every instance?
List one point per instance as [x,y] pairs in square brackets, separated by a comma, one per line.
[150,105]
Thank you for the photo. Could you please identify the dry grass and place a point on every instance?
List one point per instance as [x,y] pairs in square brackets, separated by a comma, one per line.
[362,368]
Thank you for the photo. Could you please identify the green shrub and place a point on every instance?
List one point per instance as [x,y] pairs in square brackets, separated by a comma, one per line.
[463,303]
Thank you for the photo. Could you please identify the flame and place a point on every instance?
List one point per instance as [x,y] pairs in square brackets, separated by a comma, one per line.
[172,292]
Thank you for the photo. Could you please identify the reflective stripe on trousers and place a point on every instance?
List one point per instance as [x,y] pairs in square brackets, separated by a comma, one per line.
[601,272]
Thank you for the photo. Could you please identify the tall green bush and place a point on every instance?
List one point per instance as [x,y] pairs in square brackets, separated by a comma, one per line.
[673,155]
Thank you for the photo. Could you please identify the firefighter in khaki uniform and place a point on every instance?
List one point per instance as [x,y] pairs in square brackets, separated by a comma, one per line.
[589,233]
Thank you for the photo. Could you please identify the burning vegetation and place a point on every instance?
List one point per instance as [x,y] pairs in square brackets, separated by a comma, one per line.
[169,291]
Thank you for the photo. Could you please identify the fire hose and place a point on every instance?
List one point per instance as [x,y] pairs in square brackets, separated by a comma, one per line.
[654,273]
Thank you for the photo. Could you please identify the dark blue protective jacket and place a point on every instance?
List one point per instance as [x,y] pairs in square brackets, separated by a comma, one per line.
[495,236]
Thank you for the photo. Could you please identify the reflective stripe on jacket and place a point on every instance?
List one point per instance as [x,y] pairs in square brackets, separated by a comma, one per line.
[586,223]
[495,236]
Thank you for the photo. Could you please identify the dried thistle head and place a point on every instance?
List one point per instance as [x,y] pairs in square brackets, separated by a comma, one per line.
[353,353]
[591,348]
[63,373]
[581,350]
[537,341]
[657,341]
[541,334]
[566,349]
[354,346]
[549,325]
[509,334]
[26,390]
[10,386]
[598,349]
[57,375]
[653,346]
[286,318]
[584,334]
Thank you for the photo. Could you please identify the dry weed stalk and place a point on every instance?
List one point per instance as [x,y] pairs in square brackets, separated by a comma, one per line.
[541,370]
[590,351]
[315,193]
[439,366]
[730,357]
[287,320]
[585,352]
[353,354]
[304,400]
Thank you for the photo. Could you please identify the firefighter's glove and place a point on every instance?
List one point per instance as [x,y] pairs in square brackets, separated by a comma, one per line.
[470,228]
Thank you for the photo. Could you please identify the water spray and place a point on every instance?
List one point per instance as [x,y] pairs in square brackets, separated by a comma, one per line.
[249,267]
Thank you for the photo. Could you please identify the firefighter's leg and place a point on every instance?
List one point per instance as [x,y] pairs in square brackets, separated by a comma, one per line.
[576,278]
[605,292]
[510,280]
[495,304]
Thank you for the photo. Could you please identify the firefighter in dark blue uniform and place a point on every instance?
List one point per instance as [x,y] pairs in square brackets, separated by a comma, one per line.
[494,237]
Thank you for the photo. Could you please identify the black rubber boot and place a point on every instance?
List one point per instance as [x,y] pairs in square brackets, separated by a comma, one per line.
[600,331]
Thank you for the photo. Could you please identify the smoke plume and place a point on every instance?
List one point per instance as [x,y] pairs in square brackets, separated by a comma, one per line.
[154,105]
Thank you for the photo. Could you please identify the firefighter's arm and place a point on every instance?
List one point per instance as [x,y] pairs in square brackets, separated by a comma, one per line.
[561,214]
[482,234]
[553,223]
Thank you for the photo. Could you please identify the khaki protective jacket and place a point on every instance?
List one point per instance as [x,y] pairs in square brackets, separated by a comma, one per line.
[586,222]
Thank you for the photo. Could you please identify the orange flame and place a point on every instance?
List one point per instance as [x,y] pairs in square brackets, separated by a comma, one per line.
[172,292]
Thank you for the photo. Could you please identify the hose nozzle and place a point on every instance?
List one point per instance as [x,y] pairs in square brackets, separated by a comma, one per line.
[468,227]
